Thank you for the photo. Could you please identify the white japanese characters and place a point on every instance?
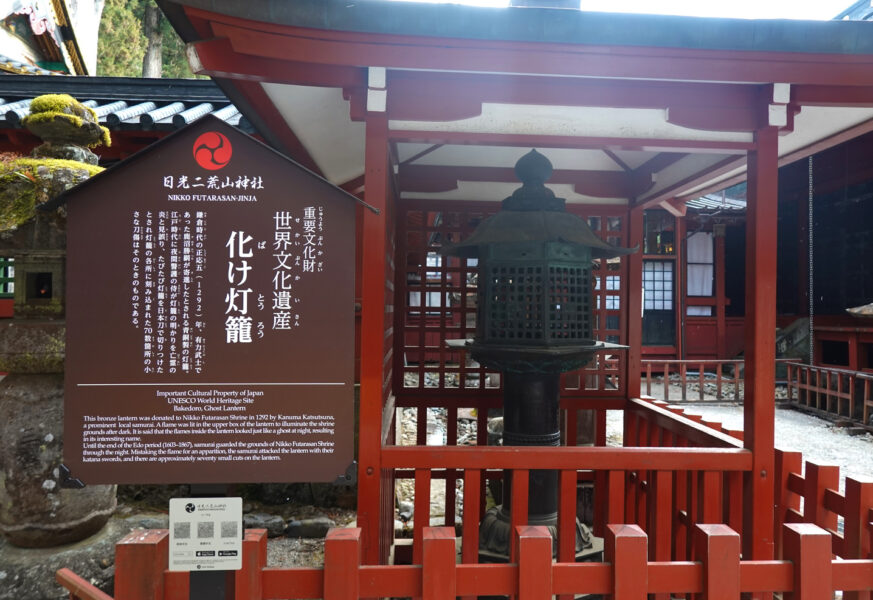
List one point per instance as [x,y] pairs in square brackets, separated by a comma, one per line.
[168,260]
[238,325]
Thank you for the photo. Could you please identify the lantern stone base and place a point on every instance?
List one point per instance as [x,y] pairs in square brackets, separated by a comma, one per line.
[35,511]
[495,533]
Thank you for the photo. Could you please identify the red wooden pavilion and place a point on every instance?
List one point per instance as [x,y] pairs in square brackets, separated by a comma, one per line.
[424,109]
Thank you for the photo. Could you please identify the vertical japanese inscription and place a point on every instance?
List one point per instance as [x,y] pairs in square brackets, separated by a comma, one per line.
[298,252]
[168,261]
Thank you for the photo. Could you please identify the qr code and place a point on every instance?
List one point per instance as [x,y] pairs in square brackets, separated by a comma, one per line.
[229,529]
[206,529]
[182,531]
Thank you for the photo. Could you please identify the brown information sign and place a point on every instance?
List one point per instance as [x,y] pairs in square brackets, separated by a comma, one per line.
[210,307]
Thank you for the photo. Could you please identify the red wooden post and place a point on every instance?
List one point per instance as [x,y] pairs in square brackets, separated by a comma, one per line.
[786,500]
[635,308]
[809,548]
[342,560]
[534,563]
[247,584]
[615,508]
[625,546]
[859,501]
[421,512]
[760,344]
[733,499]
[567,515]
[519,504]
[372,334]
[819,478]
[438,575]
[140,560]
[602,498]
[718,548]
[679,291]
[720,298]
[681,514]
[660,515]
[709,497]
[470,547]
[451,474]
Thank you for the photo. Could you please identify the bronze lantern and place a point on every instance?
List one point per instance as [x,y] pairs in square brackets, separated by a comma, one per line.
[534,322]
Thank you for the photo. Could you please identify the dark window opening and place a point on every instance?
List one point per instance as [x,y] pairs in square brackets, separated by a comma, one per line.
[835,353]
[867,356]
[39,286]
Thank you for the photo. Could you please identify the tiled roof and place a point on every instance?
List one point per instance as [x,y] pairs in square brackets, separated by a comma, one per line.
[123,104]
[715,202]
[15,66]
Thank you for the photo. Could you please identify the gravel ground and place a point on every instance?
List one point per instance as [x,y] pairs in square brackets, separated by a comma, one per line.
[820,441]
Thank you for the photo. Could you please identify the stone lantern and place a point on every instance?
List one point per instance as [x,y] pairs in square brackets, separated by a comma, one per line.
[534,322]
[36,507]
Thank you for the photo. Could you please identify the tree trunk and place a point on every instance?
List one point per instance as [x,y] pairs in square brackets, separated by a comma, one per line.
[151,24]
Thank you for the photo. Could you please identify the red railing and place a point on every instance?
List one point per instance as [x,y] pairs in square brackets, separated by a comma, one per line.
[698,459]
[682,502]
[717,380]
[810,493]
[809,571]
[669,503]
[839,392]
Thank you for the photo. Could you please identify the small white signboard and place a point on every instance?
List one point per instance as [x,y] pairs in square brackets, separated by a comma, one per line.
[206,534]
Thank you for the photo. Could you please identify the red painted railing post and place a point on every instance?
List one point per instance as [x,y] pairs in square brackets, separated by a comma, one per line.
[626,547]
[534,563]
[248,584]
[438,576]
[859,501]
[718,548]
[421,514]
[470,543]
[519,511]
[786,500]
[342,561]
[567,512]
[819,478]
[140,560]
[809,548]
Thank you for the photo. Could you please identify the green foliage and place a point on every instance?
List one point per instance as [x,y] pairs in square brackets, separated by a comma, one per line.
[121,44]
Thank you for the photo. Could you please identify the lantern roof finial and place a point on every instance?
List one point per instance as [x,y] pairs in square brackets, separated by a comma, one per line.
[533,169]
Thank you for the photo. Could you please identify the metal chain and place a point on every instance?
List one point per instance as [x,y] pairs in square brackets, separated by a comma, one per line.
[811,286]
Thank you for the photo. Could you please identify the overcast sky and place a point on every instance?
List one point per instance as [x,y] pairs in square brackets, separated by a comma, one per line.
[746,9]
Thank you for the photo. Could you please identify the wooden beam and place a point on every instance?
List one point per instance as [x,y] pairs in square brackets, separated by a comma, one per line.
[280,134]
[674,206]
[216,58]
[833,95]
[675,191]
[326,47]
[801,153]
[600,184]
[569,141]
[435,96]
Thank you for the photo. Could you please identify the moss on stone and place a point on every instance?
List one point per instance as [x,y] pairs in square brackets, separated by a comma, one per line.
[55,116]
[25,183]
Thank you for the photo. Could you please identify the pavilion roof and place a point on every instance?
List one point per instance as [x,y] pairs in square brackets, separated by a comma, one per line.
[644,110]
